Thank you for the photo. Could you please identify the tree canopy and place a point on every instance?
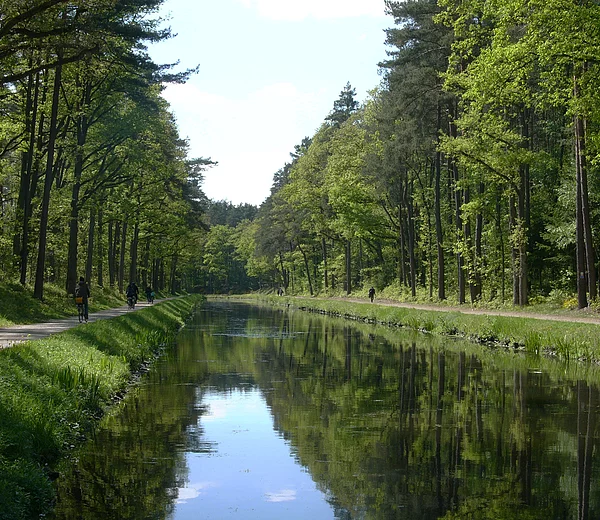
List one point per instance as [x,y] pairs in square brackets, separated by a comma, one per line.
[470,173]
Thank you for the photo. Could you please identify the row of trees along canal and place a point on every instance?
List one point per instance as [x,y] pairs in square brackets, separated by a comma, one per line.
[93,174]
[472,172]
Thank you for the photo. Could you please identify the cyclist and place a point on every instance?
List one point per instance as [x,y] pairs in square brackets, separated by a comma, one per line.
[82,293]
[132,293]
[149,294]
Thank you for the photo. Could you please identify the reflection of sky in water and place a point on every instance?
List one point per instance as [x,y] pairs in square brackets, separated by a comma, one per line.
[250,472]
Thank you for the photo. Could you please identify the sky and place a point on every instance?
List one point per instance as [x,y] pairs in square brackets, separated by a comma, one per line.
[270,71]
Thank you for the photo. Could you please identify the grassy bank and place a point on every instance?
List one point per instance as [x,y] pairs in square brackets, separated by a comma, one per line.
[55,390]
[560,339]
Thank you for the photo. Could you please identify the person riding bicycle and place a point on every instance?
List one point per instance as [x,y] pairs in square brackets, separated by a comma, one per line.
[149,294]
[132,292]
[83,291]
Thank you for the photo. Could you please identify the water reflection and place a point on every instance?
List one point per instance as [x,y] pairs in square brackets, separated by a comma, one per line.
[270,414]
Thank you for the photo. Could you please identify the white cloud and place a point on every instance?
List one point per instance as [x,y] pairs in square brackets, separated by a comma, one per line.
[319,9]
[285,495]
[193,491]
[217,411]
[250,137]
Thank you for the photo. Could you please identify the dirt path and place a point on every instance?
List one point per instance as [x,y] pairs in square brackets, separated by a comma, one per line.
[576,317]
[19,333]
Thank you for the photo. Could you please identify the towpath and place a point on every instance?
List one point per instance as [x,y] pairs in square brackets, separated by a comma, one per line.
[583,316]
[19,333]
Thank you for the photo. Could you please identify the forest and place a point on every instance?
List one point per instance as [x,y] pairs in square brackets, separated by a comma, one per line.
[469,174]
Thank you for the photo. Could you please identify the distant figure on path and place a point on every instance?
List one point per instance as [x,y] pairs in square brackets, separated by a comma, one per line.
[280,291]
[83,291]
[132,291]
[371,294]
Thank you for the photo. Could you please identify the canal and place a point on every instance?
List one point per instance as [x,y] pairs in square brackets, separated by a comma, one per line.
[261,413]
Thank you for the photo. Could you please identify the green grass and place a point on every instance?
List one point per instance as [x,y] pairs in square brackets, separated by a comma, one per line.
[55,390]
[564,340]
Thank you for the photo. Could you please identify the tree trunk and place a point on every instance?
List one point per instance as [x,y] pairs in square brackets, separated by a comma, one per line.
[38,291]
[524,212]
[113,253]
[28,184]
[580,245]
[514,251]
[468,245]
[122,256]
[325,268]
[523,284]
[348,267]
[100,252]
[411,240]
[133,253]
[458,223]
[90,247]
[146,267]
[585,211]
[161,273]
[284,275]
[441,276]
[502,250]
[584,205]
[26,156]
[155,282]
[307,269]
[476,289]
[73,235]
[401,247]
[173,279]
[82,130]
[24,183]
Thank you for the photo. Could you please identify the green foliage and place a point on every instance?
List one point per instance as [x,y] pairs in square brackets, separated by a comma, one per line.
[120,167]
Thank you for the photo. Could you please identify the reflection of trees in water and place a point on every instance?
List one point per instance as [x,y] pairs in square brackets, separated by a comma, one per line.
[587,402]
[400,431]
[134,465]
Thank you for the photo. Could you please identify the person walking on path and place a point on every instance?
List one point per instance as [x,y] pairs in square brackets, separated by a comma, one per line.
[372,294]
[83,291]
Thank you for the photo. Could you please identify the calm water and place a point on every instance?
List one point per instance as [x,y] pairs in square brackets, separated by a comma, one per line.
[270,414]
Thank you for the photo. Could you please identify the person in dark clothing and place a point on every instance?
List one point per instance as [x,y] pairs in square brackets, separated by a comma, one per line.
[83,291]
[372,294]
[132,291]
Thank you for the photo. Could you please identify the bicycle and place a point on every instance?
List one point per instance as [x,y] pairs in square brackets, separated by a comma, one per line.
[80,309]
[130,303]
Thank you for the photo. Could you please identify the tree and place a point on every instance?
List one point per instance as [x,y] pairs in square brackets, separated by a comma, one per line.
[343,107]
